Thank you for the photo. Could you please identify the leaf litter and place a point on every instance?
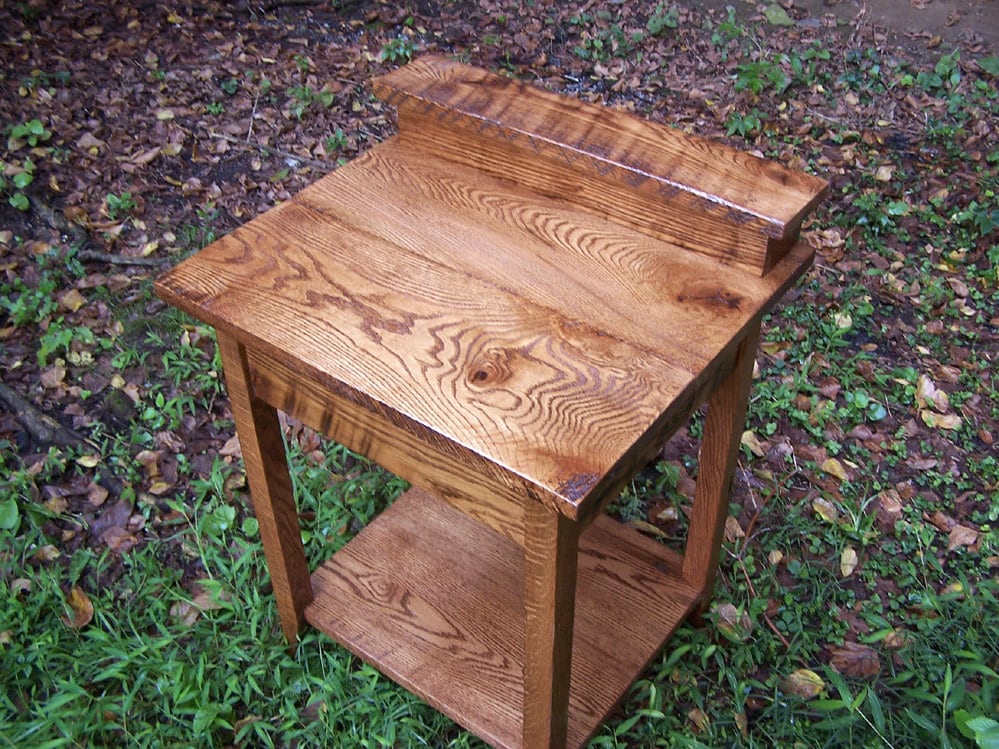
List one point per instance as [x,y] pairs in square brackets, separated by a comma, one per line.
[173,126]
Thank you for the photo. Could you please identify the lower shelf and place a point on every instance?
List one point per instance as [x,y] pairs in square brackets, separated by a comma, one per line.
[434,600]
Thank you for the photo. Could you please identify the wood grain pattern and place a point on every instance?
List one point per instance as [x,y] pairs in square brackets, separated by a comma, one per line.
[437,602]
[460,477]
[270,486]
[475,314]
[723,426]
[700,194]
[551,544]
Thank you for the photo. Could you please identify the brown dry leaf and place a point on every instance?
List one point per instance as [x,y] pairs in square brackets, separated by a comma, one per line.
[736,625]
[896,639]
[848,561]
[928,396]
[961,535]
[81,610]
[698,720]
[733,531]
[941,521]
[53,376]
[119,540]
[96,494]
[804,683]
[856,660]
[231,448]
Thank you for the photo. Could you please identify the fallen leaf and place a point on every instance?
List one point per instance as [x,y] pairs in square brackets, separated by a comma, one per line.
[961,535]
[699,720]
[848,561]
[935,420]
[645,527]
[751,441]
[777,16]
[804,683]
[733,531]
[825,510]
[834,468]
[735,624]
[775,556]
[81,610]
[883,173]
[856,660]
[72,300]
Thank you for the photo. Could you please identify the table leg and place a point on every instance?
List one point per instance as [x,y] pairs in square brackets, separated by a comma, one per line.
[723,427]
[270,488]
[551,549]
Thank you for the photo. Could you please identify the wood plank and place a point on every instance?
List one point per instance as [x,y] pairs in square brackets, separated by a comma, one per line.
[498,339]
[457,476]
[701,194]
[435,601]
[723,426]
[551,545]
[270,487]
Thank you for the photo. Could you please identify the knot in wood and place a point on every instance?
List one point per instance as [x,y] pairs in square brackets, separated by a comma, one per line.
[491,368]
[712,297]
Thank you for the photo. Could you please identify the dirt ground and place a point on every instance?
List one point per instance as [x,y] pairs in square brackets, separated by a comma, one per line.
[913,24]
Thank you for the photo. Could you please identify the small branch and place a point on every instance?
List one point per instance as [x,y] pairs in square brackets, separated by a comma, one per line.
[104,257]
[271,150]
[43,428]
[766,616]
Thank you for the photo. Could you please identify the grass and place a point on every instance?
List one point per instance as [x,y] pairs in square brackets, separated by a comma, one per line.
[846,614]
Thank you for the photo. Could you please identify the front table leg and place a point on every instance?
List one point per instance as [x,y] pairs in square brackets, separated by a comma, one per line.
[723,426]
[270,488]
[551,547]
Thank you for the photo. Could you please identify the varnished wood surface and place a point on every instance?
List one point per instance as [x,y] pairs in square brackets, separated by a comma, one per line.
[478,316]
[701,194]
[273,501]
[436,602]
[551,551]
[723,425]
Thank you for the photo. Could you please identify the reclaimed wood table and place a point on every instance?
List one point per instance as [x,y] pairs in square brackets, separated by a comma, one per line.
[512,304]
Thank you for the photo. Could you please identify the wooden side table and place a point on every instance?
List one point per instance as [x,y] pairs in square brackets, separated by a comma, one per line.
[512,304]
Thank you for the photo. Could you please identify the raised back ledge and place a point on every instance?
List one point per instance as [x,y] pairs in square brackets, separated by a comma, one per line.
[697,193]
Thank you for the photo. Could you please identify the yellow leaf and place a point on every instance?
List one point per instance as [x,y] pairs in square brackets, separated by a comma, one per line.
[88,461]
[804,683]
[164,114]
[775,556]
[847,561]
[81,610]
[883,174]
[750,440]
[72,300]
[935,420]
[834,468]
[159,488]
[825,510]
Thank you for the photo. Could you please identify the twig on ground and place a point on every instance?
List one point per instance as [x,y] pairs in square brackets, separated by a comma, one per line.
[105,257]
[276,151]
[43,428]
